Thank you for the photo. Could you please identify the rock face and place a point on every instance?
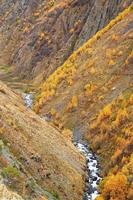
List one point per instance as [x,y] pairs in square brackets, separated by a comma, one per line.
[38,36]
[43,151]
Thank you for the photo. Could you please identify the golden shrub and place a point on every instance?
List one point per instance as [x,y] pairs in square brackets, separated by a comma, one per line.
[115,188]
[115,37]
[100,198]
[89,88]
[122,115]
[106,112]
[73,103]
[120,53]
[53,111]
[41,36]
[67,133]
[92,70]
[112,62]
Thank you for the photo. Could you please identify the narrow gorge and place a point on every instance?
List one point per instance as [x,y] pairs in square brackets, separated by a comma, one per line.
[66,100]
[93,178]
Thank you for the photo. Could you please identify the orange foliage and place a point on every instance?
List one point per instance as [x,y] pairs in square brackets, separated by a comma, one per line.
[53,111]
[122,115]
[111,62]
[115,188]
[67,133]
[115,37]
[41,36]
[89,88]
[36,14]
[116,155]
[99,198]
[92,70]
[120,53]
[106,112]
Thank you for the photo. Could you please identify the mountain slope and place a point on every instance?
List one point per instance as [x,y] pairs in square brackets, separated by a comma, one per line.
[43,151]
[92,94]
[111,136]
[47,32]
[93,76]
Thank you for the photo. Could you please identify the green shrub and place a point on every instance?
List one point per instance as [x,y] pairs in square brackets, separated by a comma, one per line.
[10,171]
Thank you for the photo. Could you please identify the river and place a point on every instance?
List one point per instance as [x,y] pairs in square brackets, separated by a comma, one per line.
[93,168]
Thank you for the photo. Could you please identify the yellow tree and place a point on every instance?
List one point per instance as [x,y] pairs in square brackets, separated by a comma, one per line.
[115,188]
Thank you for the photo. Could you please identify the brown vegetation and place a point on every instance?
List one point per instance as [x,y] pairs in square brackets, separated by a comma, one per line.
[45,153]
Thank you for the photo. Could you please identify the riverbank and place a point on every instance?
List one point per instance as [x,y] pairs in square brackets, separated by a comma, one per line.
[93,169]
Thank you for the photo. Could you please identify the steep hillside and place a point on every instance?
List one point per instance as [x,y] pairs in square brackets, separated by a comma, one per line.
[38,36]
[92,93]
[87,92]
[33,154]
[111,136]
[92,77]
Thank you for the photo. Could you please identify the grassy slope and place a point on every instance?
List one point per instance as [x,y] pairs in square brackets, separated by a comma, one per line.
[99,77]
[42,150]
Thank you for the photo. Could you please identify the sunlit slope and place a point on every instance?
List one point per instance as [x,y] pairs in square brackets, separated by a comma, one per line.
[92,77]
[111,136]
[45,153]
